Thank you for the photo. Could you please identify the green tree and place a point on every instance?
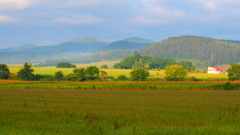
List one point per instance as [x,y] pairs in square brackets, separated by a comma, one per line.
[92,72]
[187,65]
[234,72]
[136,56]
[139,74]
[58,75]
[146,66]
[138,64]
[65,65]
[103,74]
[175,73]
[104,67]
[26,73]
[80,74]
[4,71]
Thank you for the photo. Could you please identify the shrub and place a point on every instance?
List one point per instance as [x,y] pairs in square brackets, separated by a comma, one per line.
[73,77]
[175,73]
[139,74]
[58,75]
[104,67]
[122,78]
[45,77]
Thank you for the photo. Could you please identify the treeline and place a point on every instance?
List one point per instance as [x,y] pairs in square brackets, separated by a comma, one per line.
[78,74]
[151,62]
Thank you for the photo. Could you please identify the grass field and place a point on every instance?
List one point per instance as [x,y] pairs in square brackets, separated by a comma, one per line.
[69,111]
[114,72]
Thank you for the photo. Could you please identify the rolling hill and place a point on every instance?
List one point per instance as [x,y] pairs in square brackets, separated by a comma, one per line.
[201,50]
[130,44]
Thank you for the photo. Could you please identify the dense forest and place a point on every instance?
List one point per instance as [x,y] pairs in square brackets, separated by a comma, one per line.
[206,50]
[151,62]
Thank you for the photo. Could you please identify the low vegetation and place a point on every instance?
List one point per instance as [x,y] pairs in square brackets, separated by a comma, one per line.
[70,111]
[149,62]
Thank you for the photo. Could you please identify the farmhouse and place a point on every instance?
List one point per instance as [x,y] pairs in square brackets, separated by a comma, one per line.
[214,70]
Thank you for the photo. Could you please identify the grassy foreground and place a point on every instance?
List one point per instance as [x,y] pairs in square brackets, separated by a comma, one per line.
[70,111]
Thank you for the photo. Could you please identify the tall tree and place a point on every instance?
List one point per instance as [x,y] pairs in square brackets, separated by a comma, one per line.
[4,71]
[92,72]
[26,73]
[234,72]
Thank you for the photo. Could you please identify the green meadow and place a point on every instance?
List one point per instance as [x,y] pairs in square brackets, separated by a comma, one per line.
[120,111]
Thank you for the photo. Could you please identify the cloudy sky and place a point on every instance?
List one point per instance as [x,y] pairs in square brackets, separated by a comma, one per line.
[44,22]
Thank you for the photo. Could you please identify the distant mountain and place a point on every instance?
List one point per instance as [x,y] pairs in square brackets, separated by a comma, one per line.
[84,49]
[19,48]
[130,44]
[199,49]
[82,44]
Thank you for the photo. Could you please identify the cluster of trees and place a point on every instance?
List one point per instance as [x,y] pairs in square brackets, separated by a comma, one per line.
[65,65]
[79,74]
[151,62]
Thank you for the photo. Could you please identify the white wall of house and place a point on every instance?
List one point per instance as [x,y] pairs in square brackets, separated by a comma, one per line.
[212,70]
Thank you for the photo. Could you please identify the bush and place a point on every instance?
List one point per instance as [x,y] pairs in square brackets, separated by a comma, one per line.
[45,77]
[139,74]
[73,77]
[4,71]
[104,67]
[175,73]
[58,75]
[122,78]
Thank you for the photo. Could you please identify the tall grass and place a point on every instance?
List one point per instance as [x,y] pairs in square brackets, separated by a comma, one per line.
[142,86]
[68,111]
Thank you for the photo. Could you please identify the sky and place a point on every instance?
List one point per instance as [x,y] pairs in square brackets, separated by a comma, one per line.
[46,22]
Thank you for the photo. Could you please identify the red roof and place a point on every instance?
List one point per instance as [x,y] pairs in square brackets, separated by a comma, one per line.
[218,69]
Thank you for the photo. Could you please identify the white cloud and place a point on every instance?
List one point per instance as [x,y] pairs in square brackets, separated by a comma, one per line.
[18,4]
[14,4]
[80,20]
[6,19]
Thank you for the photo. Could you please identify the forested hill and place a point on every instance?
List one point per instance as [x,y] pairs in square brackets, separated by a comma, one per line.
[130,44]
[205,50]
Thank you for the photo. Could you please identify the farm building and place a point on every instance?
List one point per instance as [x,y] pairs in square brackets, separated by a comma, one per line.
[214,70]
